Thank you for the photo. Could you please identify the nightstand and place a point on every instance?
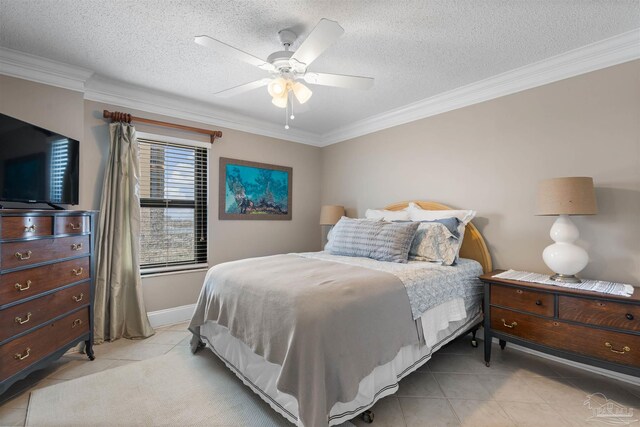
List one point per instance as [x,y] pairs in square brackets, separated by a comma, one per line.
[588,327]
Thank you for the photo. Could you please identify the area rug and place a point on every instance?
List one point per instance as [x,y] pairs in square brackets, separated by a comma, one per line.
[172,390]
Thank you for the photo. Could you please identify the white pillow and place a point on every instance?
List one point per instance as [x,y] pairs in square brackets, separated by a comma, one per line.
[416,213]
[386,215]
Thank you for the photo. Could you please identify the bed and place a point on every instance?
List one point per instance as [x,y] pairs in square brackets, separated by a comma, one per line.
[321,337]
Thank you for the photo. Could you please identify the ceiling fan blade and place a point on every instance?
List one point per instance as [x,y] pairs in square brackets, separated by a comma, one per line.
[339,80]
[324,34]
[227,93]
[231,51]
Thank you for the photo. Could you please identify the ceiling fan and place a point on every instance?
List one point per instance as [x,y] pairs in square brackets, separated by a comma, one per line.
[288,68]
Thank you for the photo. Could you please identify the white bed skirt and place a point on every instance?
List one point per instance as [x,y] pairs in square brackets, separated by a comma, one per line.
[441,324]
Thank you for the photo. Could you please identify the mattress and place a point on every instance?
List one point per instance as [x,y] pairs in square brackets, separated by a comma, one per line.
[440,324]
[317,335]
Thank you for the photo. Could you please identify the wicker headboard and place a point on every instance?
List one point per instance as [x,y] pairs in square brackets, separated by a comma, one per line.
[473,245]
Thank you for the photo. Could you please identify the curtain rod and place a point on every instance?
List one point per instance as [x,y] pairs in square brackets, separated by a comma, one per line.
[117,116]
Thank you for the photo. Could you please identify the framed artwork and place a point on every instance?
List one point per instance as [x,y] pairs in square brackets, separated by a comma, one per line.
[254,191]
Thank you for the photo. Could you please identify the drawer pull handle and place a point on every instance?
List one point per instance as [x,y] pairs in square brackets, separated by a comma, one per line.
[19,320]
[75,226]
[76,322]
[511,326]
[30,229]
[19,287]
[519,291]
[538,302]
[629,316]
[78,299]
[23,255]
[24,355]
[76,246]
[78,272]
[624,350]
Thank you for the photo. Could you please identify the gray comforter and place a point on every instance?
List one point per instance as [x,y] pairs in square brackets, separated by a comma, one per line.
[327,324]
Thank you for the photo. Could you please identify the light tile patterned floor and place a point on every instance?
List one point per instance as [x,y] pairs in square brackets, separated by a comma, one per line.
[454,388]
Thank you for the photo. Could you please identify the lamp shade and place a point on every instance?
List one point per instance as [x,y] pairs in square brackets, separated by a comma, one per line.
[331,214]
[566,196]
[277,87]
[301,92]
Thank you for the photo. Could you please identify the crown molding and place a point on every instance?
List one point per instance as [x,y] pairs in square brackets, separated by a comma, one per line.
[605,53]
[34,68]
[101,89]
[22,65]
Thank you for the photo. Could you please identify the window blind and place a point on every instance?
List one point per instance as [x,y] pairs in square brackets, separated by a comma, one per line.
[173,205]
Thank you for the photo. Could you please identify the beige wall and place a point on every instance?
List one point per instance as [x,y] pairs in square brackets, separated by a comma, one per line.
[489,157]
[66,112]
[228,240]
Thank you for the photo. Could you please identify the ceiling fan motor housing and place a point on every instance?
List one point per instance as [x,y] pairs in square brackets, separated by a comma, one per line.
[283,66]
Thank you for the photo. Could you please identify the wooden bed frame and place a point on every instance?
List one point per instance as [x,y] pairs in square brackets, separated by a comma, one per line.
[473,245]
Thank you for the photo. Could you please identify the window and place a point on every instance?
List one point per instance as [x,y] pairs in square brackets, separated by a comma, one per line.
[173,204]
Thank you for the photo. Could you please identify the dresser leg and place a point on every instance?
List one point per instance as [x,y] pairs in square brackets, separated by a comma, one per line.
[503,344]
[88,348]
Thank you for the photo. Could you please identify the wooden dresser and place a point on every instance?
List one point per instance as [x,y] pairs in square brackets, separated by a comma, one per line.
[46,288]
[588,327]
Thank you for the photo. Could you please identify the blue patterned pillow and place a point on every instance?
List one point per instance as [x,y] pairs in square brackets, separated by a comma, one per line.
[380,240]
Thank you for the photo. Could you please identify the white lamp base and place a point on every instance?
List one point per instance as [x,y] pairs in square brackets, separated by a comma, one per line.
[564,257]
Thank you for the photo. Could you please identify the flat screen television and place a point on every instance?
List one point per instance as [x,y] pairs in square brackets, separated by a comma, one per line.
[36,164]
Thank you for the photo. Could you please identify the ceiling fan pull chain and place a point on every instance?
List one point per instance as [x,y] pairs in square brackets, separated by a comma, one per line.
[286,112]
[291,116]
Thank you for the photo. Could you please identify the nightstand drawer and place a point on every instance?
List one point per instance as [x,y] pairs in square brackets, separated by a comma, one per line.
[611,346]
[600,312]
[22,317]
[522,299]
[23,352]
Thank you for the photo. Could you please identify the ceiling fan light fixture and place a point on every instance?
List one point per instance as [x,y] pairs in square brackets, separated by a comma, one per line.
[301,92]
[280,101]
[277,87]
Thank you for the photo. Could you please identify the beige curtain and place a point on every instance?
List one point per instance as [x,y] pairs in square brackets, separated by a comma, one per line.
[119,308]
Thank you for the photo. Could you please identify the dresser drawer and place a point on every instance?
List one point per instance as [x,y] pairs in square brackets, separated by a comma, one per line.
[599,312]
[606,345]
[22,317]
[522,299]
[76,224]
[18,254]
[22,352]
[17,227]
[33,281]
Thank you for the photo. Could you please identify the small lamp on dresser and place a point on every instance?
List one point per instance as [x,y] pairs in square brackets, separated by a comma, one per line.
[330,215]
[565,197]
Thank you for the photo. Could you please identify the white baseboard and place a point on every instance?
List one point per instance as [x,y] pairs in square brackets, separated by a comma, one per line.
[607,373]
[171,316]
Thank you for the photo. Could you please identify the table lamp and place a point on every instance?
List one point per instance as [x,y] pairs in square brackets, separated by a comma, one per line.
[565,197]
[330,215]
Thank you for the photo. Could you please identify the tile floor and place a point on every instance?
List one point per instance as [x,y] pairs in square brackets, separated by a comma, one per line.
[454,388]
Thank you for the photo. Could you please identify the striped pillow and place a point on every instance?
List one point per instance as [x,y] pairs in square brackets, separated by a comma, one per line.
[380,240]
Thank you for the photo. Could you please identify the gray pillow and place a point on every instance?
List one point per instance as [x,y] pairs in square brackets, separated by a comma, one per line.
[379,240]
[434,242]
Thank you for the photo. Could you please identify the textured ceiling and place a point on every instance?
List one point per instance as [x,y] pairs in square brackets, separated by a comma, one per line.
[414,49]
